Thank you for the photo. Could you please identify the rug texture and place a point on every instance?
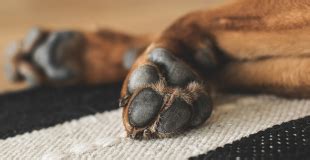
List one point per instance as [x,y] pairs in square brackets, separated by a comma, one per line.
[85,123]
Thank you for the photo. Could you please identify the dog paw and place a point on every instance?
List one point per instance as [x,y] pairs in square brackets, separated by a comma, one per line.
[44,56]
[164,97]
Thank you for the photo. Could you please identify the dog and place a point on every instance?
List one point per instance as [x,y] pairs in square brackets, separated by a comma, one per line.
[256,46]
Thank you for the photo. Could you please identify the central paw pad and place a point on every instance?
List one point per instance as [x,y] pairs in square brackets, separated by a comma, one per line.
[164,97]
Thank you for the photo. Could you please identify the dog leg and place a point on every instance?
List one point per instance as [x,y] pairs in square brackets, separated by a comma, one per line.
[165,92]
[46,57]
[288,76]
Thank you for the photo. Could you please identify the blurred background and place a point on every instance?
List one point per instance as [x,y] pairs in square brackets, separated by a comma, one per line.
[134,16]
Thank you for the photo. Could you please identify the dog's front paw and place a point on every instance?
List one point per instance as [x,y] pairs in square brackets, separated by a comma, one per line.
[164,96]
[44,56]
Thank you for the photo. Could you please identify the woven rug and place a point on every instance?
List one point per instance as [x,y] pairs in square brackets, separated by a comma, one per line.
[85,123]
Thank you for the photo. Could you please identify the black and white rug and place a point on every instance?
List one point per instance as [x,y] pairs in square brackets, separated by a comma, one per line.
[85,123]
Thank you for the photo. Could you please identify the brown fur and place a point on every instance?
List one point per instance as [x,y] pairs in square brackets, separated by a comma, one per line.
[253,45]
[265,42]
[100,62]
[254,41]
[103,61]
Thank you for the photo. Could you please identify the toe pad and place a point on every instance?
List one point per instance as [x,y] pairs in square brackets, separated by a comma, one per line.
[144,107]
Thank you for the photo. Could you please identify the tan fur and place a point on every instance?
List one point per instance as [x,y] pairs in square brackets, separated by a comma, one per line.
[253,36]
[262,46]
[249,31]
[251,45]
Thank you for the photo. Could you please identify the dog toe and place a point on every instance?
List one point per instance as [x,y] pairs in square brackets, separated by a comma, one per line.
[144,107]
[143,75]
[175,118]
[177,73]
[164,97]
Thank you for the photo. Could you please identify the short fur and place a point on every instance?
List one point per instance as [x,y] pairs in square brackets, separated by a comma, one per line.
[250,45]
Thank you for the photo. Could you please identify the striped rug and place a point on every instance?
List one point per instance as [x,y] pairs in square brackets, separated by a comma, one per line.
[84,122]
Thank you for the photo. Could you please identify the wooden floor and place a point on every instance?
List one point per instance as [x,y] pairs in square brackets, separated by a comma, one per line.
[135,16]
